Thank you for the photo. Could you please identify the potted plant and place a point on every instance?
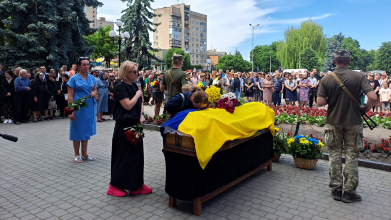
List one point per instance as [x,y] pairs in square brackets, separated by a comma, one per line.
[305,151]
[279,145]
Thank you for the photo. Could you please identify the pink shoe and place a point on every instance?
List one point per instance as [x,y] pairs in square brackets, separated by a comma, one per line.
[114,191]
[143,190]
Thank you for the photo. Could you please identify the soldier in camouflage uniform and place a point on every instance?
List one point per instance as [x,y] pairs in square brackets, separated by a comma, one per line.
[343,130]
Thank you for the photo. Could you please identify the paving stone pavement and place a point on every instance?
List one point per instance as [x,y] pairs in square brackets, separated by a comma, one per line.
[40,180]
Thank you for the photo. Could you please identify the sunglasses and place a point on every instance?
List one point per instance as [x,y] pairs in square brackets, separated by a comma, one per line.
[371,75]
[111,76]
[84,58]
[134,72]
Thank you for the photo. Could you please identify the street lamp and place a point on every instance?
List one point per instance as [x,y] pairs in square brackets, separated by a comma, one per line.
[252,50]
[299,57]
[270,71]
[124,35]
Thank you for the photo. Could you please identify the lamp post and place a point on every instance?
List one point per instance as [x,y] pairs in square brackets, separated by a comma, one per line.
[299,57]
[270,71]
[252,50]
[124,35]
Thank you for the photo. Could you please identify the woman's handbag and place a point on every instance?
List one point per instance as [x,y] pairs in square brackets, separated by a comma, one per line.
[52,104]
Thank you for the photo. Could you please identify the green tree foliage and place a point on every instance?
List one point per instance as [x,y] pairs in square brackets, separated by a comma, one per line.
[44,32]
[235,62]
[355,52]
[333,44]
[137,21]
[310,60]
[171,52]
[104,45]
[262,57]
[308,35]
[383,57]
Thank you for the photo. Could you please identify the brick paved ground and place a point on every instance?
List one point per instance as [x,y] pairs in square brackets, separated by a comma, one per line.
[40,180]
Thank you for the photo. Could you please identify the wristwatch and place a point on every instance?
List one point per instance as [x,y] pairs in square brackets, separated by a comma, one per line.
[142,113]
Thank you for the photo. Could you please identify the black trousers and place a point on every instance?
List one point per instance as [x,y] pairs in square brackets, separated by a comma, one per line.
[21,106]
[312,95]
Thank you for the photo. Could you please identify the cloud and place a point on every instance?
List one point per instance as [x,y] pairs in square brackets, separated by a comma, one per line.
[228,20]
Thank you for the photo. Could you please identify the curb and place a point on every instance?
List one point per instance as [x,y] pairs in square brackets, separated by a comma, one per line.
[367,163]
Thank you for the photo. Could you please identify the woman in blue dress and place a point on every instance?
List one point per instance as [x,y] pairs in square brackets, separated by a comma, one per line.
[103,91]
[290,90]
[83,124]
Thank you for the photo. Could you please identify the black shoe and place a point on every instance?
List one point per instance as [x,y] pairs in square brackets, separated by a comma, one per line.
[25,121]
[337,195]
[351,198]
[17,123]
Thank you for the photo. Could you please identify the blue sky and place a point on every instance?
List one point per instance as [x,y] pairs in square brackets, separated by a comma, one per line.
[368,21]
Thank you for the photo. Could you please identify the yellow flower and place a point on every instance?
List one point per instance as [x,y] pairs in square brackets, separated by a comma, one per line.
[153,83]
[321,145]
[305,141]
[277,129]
[200,85]
[290,141]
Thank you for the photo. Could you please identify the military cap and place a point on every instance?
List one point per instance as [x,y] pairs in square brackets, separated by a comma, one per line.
[177,57]
[158,73]
[217,74]
[341,53]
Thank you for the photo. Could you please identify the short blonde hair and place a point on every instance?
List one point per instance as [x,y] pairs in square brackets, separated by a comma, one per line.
[126,67]
[187,88]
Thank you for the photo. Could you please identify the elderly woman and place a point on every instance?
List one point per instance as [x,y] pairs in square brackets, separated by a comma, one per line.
[304,85]
[62,94]
[194,79]
[127,159]
[103,91]
[290,90]
[237,85]
[83,124]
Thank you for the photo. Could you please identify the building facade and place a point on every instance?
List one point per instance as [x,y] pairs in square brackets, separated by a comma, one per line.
[103,23]
[214,57]
[92,15]
[182,28]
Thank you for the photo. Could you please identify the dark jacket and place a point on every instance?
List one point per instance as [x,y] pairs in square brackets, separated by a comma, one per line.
[174,105]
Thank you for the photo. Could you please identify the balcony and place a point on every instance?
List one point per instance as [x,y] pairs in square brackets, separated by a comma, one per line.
[176,14]
[175,26]
[176,20]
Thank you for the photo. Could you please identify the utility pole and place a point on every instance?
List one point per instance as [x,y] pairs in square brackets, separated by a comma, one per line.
[252,50]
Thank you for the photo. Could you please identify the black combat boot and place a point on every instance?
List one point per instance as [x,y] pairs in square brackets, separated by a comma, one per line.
[337,195]
[347,198]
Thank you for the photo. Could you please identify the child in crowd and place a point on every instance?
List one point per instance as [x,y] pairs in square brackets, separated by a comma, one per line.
[385,97]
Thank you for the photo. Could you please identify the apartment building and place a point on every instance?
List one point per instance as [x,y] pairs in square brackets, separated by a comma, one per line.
[182,28]
[92,15]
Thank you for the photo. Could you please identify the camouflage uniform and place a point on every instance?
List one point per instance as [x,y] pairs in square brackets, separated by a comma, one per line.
[343,136]
[349,139]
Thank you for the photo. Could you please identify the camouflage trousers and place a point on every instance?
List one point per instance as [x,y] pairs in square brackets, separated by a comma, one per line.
[340,138]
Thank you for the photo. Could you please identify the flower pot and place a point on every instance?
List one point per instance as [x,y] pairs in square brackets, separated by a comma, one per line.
[276,157]
[308,164]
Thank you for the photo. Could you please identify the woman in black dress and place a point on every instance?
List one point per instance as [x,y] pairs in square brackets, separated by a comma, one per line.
[8,90]
[51,89]
[127,160]
[38,92]
[62,94]
[110,105]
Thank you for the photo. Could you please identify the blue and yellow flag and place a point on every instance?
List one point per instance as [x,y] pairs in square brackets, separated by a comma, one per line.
[211,128]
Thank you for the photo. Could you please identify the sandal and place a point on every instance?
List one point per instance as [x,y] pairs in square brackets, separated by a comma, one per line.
[90,157]
[39,119]
[100,120]
[35,120]
[79,159]
[103,119]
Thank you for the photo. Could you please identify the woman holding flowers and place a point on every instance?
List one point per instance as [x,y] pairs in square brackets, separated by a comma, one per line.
[83,124]
[158,94]
[127,158]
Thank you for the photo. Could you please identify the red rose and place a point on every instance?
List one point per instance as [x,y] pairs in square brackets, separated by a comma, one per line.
[68,111]
[385,149]
[373,148]
[131,137]
[366,146]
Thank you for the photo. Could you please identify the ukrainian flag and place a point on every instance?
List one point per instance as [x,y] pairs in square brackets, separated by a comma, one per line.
[211,128]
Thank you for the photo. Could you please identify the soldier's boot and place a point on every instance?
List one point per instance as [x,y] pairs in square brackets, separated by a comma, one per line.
[337,195]
[351,198]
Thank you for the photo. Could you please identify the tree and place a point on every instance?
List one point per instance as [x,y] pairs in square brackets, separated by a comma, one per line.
[137,21]
[309,59]
[104,45]
[46,32]
[383,57]
[262,57]
[235,62]
[333,44]
[171,52]
[308,35]
[355,53]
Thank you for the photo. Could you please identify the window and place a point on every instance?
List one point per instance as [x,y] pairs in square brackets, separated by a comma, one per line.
[196,39]
[196,28]
[193,22]
[156,43]
[192,56]
[193,39]
[197,23]
[192,27]
[197,56]
[192,44]
[192,50]
[197,61]
[197,34]
[156,19]
[197,52]
[156,38]
[156,30]
[196,45]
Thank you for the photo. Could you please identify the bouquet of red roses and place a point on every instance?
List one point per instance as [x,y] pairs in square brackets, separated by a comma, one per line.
[76,106]
[227,104]
[135,133]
